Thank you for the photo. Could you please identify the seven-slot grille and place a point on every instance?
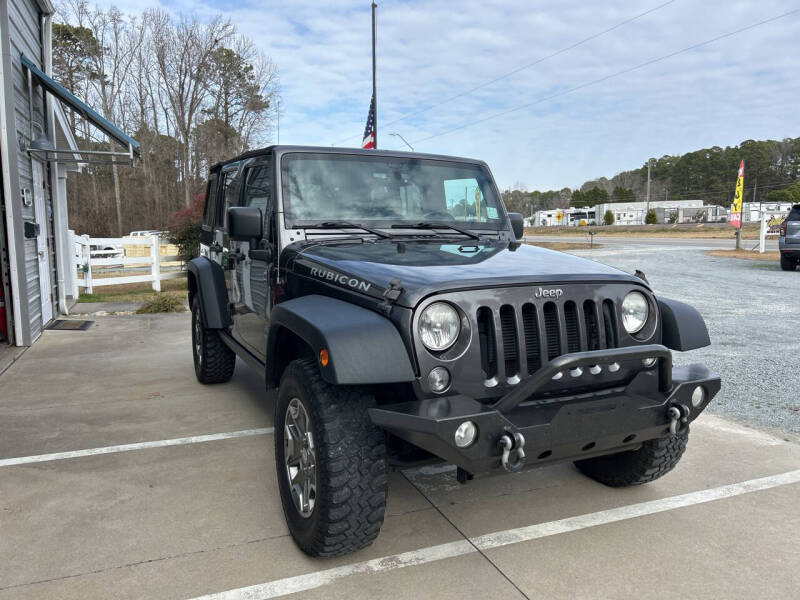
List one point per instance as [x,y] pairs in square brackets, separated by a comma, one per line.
[532,334]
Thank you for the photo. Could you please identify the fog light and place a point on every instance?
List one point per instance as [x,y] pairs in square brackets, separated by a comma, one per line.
[649,362]
[465,434]
[698,395]
[439,379]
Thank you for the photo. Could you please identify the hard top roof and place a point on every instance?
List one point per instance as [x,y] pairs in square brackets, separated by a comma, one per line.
[283,149]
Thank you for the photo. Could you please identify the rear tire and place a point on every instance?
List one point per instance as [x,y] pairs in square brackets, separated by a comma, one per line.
[652,460]
[214,362]
[344,457]
[788,264]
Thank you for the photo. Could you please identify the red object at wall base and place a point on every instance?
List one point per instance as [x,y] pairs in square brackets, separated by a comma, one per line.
[3,326]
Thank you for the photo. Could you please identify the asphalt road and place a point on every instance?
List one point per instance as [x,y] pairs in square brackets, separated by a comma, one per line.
[752,310]
[676,242]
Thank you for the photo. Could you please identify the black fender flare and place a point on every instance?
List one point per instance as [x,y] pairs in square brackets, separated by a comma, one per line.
[363,346]
[683,327]
[207,283]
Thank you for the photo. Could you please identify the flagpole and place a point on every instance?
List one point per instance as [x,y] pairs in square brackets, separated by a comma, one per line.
[374,86]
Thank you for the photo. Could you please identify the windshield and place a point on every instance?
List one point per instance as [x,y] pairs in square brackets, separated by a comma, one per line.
[382,191]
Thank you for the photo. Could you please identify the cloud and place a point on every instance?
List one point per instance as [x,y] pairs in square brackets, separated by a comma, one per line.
[741,87]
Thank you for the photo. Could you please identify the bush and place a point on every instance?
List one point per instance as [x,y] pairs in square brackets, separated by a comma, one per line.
[651,218]
[608,218]
[162,303]
[184,228]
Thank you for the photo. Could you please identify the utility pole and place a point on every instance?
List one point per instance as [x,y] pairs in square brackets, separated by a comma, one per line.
[647,209]
[374,86]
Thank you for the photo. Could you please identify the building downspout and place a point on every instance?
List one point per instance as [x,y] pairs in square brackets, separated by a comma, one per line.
[9,196]
[56,175]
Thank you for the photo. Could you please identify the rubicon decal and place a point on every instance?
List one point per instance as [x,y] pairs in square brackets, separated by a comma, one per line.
[340,279]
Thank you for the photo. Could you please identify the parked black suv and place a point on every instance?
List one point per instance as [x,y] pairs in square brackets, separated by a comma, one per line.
[789,240]
[386,297]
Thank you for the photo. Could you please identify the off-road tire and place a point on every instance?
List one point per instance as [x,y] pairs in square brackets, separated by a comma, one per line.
[351,467]
[788,264]
[213,360]
[652,460]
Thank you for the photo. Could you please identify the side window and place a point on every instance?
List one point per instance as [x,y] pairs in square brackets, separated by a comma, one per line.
[210,207]
[228,198]
[257,190]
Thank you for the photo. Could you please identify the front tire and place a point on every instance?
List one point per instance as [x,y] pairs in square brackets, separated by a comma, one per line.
[652,460]
[788,264]
[330,461]
[213,360]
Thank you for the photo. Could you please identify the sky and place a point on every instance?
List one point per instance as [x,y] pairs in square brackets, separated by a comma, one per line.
[585,109]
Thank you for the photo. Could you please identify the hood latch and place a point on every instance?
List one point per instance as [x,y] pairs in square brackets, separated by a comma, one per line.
[391,294]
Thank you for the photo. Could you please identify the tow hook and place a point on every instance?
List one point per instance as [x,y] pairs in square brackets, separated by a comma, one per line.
[509,444]
[678,417]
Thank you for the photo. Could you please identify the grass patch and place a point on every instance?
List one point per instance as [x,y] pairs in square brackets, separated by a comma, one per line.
[133,292]
[750,231]
[565,245]
[169,302]
[746,255]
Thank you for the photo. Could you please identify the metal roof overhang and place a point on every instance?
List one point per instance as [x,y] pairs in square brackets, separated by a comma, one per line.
[63,94]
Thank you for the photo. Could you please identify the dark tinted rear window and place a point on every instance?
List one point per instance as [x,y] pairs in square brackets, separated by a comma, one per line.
[795,214]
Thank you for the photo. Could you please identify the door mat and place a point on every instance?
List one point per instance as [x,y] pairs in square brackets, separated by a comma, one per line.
[70,325]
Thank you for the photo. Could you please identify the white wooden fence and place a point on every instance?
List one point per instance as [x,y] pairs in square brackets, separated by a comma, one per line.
[95,259]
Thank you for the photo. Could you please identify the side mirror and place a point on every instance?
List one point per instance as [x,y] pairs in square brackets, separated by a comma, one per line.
[517,224]
[245,223]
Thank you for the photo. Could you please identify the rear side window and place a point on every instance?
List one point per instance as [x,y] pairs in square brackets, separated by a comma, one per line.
[210,208]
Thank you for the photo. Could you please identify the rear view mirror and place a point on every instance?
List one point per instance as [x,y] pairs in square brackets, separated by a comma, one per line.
[245,223]
[517,224]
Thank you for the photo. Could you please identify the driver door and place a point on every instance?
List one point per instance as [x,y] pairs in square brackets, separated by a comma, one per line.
[251,317]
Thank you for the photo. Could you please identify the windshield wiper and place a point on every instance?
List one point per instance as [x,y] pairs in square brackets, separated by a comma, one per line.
[349,225]
[436,225]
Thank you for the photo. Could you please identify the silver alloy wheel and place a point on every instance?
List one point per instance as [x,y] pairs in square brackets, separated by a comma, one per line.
[198,338]
[298,453]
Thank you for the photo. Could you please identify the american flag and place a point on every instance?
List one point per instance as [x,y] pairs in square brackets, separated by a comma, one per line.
[369,130]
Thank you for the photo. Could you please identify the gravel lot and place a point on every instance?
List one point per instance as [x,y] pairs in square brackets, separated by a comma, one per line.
[752,310]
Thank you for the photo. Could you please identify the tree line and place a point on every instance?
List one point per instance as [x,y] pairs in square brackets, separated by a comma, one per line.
[191,93]
[772,172]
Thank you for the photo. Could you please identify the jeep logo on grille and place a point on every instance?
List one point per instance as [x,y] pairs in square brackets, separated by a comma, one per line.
[548,293]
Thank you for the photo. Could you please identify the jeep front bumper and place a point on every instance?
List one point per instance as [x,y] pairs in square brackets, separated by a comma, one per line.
[656,400]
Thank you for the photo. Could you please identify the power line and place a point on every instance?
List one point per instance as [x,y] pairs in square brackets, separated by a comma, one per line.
[608,77]
[520,68]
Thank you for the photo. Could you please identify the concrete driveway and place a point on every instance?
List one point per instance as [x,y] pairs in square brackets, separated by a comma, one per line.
[122,477]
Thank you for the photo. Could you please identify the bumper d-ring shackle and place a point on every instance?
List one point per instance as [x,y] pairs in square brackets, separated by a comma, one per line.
[512,443]
[678,417]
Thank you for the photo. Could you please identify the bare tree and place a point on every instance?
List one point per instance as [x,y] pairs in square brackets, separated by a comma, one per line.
[183,52]
[191,93]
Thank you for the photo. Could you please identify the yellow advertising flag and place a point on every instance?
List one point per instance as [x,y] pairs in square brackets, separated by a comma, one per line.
[736,207]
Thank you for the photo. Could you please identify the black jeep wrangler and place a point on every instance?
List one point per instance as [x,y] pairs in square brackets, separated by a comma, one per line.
[385,295]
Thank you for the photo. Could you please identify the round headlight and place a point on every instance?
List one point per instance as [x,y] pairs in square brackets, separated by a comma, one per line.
[439,325]
[635,310]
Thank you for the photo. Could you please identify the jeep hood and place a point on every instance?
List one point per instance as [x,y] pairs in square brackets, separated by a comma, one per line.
[427,267]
